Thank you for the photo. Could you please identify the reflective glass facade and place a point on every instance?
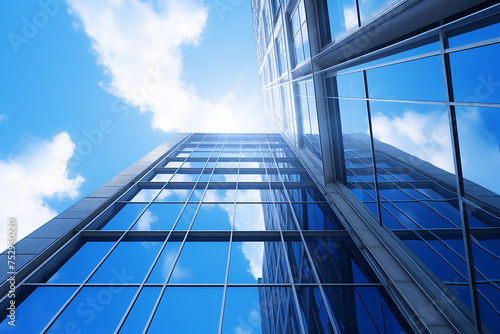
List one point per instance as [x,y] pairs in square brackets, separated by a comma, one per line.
[226,234]
[397,106]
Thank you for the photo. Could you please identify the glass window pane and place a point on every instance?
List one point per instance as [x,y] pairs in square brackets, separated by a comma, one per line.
[35,312]
[220,195]
[186,217]
[250,217]
[314,312]
[185,177]
[349,85]
[299,262]
[79,266]
[342,16]
[95,310]
[475,35]
[474,78]
[420,79]
[338,260]
[145,195]
[173,195]
[417,135]
[257,262]
[201,262]
[188,310]
[369,9]
[140,312]
[126,215]
[127,263]
[214,217]
[165,262]
[278,310]
[364,310]
[242,311]
[479,141]
[158,216]
[162,177]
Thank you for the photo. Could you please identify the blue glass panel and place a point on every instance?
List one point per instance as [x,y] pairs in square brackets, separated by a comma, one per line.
[251,217]
[165,262]
[479,137]
[489,302]
[365,310]
[35,312]
[125,217]
[278,312]
[162,177]
[416,135]
[173,195]
[342,15]
[187,216]
[220,195]
[257,262]
[299,262]
[242,311]
[201,262]
[351,85]
[214,217]
[128,263]
[481,218]
[486,252]
[473,77]
[369,9]
[473,36]
[313,309]
[79,266]
[158,216]
[173,164]
[145,195]
[285,216]
[94,310]
[446,258]
[140,312]
[420,79]
[184,177]
[319,217]
[197,195]
[188,310]
[415,215]
[338,260]
[251,178]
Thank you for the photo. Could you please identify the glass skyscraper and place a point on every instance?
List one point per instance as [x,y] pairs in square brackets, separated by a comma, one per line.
[375,210]
[393,107]
[215,233]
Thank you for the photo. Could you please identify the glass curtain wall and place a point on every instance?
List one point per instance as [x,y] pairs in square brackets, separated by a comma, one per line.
[228,234]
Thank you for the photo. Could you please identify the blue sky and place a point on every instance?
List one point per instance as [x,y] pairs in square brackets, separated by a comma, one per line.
[89,87]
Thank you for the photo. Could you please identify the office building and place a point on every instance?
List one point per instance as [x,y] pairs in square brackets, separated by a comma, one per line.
[376,210]
[393,107]
[208,233]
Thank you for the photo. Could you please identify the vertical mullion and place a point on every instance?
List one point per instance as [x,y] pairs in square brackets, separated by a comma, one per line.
[445,61]
[372,144]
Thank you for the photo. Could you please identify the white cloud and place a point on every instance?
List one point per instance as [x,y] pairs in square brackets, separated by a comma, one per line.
[144,223]
[3,118]
[425,136]
[139,43]
[31,178]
